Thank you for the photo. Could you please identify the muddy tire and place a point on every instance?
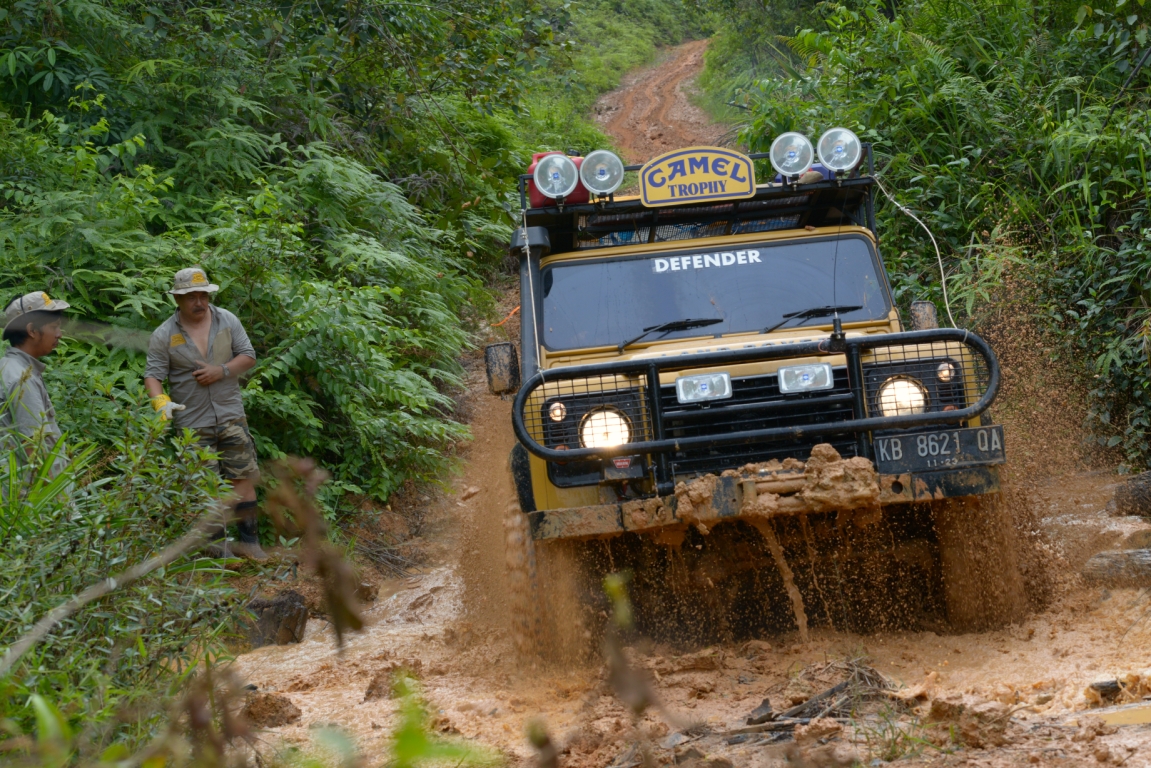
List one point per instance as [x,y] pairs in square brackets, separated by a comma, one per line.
[979,553]
[523,582]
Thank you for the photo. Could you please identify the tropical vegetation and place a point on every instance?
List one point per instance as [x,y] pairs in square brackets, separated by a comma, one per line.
[1017,131]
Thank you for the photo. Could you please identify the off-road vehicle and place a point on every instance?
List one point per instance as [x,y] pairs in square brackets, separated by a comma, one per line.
[719,395]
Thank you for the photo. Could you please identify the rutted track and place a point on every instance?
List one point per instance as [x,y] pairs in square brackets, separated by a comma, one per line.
[652,113]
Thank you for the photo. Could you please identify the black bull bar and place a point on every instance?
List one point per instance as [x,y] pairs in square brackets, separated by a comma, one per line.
[914,354]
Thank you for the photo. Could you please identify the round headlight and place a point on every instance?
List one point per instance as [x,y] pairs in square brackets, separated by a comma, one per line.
[902,396]
[791,154]
[557,411]
[604,428]
[601,172]
[945,372]
[839,150]
[556,176]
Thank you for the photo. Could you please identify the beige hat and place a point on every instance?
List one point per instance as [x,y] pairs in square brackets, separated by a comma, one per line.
[190,280]
[37,301]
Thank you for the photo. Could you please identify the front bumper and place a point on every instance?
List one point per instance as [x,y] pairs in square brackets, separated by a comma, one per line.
[751,496]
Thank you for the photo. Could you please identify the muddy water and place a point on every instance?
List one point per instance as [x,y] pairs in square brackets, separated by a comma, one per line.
[449,623]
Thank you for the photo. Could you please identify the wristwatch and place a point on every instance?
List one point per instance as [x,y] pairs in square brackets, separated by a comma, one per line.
[227,373]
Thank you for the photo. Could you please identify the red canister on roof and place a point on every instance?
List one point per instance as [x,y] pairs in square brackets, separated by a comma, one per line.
[537,199]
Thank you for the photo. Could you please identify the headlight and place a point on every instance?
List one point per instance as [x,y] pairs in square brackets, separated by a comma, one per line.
[902,396]
[791,154]
[601,172]
[556,176]
[604,428]
[945,372]
[839,150]
[557,411]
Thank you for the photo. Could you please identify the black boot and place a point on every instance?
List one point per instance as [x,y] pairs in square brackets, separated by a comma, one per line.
[249,524]
[218,544]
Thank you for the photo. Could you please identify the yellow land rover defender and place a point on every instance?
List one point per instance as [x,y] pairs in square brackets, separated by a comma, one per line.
[719,395]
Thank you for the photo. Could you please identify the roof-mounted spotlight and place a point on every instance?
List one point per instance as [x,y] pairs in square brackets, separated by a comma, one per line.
[556,176]
[791,154]
[601,172]
[840,150]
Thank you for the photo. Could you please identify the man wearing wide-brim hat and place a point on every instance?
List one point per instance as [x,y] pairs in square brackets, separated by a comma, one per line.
[201,351]
[27,418]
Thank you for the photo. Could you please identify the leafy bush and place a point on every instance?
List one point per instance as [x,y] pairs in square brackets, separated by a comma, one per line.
[986,123]
[58,536]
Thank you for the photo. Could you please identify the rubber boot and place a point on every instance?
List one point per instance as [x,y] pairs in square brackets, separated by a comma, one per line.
[218,546]
[249,524]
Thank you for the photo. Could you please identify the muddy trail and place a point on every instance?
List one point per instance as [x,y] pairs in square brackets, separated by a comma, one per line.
[652,112]
[1019,695]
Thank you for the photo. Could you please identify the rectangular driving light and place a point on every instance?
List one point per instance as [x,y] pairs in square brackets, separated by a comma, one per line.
[703,387]
[805,378]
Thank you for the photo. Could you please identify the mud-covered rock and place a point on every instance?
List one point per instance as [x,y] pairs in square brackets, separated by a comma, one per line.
[1120,568]
[367,591]
[270,710]
[1133,497]
[976,723]
[380,686]
[277,621]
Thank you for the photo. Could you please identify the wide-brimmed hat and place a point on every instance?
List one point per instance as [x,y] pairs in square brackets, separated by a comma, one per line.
[37,301]
[190,280]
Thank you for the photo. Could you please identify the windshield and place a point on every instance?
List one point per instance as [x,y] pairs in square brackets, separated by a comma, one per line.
[595,303]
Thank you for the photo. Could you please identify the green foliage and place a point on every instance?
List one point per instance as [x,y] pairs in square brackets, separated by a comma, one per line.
[988,122]
[60,535]
[345,172]
[274,145]
[414,743]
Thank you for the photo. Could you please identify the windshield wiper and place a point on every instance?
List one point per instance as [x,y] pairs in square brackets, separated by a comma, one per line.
[674,325]
[810,313]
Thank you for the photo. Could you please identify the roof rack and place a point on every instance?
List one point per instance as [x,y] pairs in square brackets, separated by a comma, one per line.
[607,223]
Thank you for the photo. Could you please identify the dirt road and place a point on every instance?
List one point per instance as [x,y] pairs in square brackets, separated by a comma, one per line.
[1015,696]
[652,113]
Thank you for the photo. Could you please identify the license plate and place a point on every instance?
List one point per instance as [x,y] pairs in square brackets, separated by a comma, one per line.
[939,450]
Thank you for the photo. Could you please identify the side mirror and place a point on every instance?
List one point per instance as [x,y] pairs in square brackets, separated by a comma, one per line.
[503,366]
[924,316]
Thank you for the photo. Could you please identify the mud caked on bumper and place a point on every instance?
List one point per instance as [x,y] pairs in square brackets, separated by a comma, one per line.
[825,483]
[735,458]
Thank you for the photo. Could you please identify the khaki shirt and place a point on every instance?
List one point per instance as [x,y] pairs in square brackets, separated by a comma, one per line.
[25,409]
[172,355]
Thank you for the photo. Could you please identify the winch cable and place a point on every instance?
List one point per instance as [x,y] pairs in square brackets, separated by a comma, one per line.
[938,255]
[835,257]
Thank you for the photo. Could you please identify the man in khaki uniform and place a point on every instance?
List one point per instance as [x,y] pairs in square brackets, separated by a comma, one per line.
[27,418]
[201,351]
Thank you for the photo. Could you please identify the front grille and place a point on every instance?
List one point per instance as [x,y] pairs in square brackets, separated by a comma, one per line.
[755,403]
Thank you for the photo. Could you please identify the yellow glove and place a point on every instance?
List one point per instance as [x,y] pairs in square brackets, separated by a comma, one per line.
[164,406]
